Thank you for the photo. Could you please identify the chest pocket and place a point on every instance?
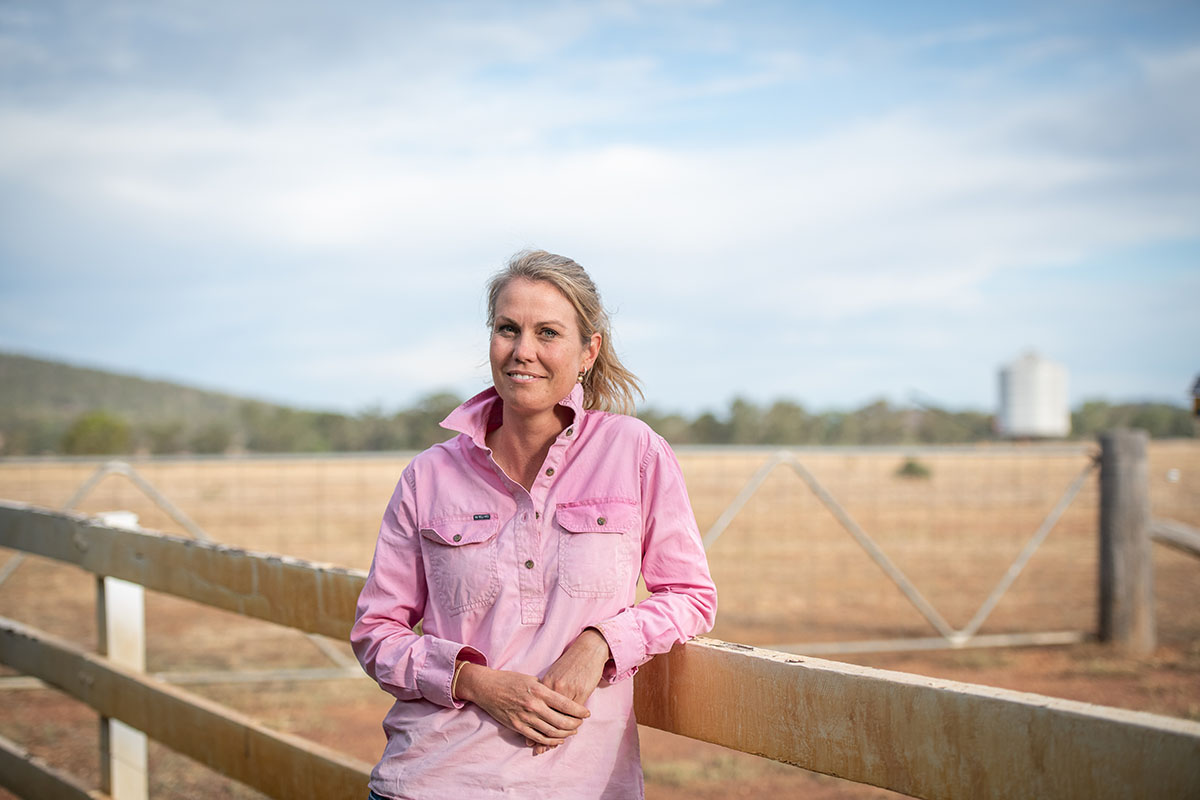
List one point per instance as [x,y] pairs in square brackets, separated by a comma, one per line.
[594,548]
[460,561]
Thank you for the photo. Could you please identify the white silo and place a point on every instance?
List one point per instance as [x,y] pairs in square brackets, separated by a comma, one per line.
[1033,399]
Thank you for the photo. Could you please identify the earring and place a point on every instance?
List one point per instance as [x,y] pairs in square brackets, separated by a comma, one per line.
[580,376]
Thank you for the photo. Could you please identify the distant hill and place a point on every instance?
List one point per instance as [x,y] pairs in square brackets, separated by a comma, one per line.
[53,390]
[48,407]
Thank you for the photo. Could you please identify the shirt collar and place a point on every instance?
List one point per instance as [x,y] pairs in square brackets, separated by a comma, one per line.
[475,415]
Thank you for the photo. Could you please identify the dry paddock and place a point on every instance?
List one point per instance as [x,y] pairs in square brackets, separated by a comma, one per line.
[786,570]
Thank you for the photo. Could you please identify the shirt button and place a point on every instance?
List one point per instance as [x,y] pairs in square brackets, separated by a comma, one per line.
[458,537]
[601,520]
[537,515]
[529,564]
[570,431]
[550,472]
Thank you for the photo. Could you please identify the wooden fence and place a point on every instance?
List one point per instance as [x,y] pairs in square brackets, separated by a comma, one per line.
[920,736]
[925,737]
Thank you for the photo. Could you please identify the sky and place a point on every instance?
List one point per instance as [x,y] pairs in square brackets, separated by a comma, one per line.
[829,202]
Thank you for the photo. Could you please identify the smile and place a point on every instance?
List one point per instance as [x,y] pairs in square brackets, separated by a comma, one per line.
[523,377]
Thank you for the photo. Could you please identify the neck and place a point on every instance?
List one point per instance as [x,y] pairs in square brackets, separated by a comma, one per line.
[521,443]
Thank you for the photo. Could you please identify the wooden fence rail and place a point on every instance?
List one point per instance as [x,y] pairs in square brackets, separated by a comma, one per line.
[925,737]
[921,736]
[28,776]
[277,764]
[313,598]
[1183,538]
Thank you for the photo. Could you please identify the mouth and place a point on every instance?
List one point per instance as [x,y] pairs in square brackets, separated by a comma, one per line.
[522,377]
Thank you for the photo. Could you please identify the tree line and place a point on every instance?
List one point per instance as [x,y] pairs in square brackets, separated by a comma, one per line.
[264,428]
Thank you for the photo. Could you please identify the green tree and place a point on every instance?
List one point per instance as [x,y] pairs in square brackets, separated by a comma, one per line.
[213,438]
[838,427]
[31,435]
[675,428]
[787,422]
[342,433]
[745,422]
[876,423]
[1161,420]
[164,437]
[277,429]
[1090,418]
[423,423]
[97,433]
[378,432]
[1158,419]
[707,429]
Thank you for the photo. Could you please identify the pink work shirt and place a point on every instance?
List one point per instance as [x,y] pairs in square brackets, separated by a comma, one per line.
[508,578]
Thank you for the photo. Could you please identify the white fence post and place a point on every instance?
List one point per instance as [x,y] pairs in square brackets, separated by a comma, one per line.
[121,623]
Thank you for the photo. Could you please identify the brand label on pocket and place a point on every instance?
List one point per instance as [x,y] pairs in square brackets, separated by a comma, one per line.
[482,516]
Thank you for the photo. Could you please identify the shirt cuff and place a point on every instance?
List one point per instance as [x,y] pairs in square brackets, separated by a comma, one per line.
[437,673]
[626,645]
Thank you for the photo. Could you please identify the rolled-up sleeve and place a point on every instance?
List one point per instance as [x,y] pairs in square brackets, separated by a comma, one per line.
[404,663]
[683,599]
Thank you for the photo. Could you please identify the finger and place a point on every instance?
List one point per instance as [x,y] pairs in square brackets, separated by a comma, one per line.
[536,737]
[541,709]
[564,722]
[565,705]
[547,727]
[567,690]
[577,696]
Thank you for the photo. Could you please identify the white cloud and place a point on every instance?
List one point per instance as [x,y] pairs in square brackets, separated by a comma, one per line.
[411,167]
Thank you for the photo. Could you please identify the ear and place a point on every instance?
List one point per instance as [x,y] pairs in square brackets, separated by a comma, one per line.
[591,352]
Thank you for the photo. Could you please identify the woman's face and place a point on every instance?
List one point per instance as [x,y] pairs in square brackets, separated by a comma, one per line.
[536,352]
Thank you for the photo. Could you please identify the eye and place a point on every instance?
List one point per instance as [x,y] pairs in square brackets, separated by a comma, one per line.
[549,333]
[506,329]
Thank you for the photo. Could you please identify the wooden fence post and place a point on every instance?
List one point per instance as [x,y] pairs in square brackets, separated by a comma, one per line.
[121,624]
[1126,564]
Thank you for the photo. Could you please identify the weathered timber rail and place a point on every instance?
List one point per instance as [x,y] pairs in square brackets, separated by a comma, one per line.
[925,737]
[29,776]
[921,736]
[1183,538]
[278,764]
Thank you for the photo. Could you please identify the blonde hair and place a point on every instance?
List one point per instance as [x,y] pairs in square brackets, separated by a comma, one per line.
[608,385]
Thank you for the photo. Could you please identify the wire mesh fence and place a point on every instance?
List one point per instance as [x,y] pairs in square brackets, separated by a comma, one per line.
[952,519]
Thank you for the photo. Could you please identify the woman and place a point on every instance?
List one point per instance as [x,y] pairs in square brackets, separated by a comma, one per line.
[519,544]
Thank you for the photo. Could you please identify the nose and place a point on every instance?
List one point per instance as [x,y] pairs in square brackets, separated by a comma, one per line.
[523,348]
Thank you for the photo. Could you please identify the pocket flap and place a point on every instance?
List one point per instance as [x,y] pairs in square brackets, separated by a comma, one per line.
[457,531]
[597,516]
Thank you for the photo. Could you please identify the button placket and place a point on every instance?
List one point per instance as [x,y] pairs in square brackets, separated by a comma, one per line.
[529,566]
[554,457]
[531,561]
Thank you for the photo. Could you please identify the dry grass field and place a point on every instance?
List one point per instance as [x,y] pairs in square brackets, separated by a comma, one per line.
[786,571]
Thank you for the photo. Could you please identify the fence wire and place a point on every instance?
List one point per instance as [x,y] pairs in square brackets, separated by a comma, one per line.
[953,522]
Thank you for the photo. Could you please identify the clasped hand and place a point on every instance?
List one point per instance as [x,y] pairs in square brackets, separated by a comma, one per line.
[547,711]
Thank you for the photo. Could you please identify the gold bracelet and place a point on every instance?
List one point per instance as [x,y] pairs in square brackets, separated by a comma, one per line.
[454,683]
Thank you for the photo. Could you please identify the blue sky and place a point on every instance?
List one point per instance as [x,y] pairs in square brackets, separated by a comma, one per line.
[829,202]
